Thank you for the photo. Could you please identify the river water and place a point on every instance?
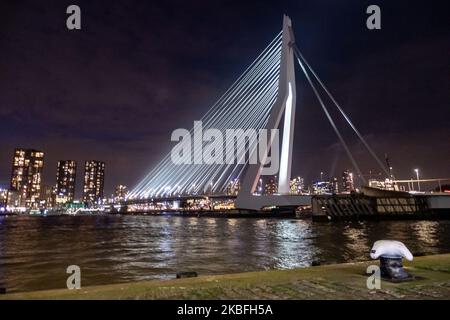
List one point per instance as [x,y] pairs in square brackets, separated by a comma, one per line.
[35,251]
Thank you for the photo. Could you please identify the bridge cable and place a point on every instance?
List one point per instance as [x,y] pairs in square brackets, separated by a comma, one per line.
[372,153]
[330,119]
[245,105]
[247,78]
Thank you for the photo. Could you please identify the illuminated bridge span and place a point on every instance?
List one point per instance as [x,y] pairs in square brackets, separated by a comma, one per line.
[257,100]
[245,105]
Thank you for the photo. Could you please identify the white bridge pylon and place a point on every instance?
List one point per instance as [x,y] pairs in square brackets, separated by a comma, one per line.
[285,103]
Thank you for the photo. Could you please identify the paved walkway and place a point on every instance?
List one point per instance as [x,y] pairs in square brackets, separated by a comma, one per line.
[341,281]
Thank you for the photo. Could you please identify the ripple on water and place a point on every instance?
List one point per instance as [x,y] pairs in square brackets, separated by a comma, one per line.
[35,251]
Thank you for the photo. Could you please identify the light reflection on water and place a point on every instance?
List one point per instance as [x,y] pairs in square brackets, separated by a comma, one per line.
[35,251]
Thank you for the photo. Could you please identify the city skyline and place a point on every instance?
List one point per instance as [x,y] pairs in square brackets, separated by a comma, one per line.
[28,190]
[399,105]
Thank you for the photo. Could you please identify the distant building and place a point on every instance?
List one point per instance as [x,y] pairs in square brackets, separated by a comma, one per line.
[120,193]
[13,203]
[347,181]
[271,186]
[335,185]
[47,198]
[3,199]
[233,187]
[387,184]
[65,181]
[26,176]
[296,185]
[323,187]
[94,179]
[260,186]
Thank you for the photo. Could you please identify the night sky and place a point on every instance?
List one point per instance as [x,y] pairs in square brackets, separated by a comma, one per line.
[137,70]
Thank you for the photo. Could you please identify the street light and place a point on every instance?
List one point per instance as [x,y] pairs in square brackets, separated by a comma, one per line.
[417,175]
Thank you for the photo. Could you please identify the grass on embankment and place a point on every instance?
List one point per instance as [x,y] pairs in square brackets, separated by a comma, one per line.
[340,281]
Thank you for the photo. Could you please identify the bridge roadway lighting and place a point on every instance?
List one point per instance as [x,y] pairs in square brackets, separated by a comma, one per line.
[417,175]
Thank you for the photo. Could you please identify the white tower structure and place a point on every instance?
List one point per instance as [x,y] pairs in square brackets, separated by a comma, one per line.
[285,103]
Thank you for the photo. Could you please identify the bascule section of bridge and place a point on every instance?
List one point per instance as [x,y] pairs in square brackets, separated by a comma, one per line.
[260,99]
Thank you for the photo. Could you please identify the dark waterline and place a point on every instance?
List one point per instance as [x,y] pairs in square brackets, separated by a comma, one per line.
[35,251]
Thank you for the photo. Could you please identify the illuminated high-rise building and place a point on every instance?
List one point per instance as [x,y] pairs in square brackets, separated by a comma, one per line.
[26,176]
[296,185]
[94,179]
[65,181]
[347,181]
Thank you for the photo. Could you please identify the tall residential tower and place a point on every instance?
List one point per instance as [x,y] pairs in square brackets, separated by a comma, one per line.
[65,181]
[94,179]
[26,176]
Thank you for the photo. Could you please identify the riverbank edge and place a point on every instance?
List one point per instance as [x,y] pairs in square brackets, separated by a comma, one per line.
[338,281]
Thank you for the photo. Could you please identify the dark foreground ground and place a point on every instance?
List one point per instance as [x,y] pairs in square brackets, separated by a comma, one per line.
[341,281]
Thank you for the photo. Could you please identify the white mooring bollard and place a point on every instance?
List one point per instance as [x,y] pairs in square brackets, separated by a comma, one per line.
[391,253]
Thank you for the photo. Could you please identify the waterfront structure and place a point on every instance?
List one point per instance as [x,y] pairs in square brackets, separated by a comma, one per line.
[26,176]
[65,181]
[347,181]
[387,184]
[94,179]
[3,199]
[260,188]
[271,186]
[233,187]
[273,97]
[297,185]
[323,187]
[47,199]
[120,193]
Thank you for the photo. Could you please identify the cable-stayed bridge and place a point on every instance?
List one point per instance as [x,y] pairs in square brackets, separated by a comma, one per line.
[256,101]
